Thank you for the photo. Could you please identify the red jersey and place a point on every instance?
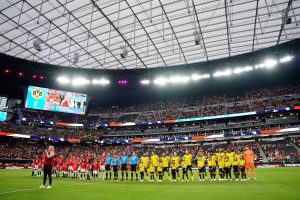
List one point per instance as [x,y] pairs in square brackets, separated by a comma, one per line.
[88,159]
[87,166]
[57,167]
[65,167]
[75,167]
[40,164]
[60,161]
[96,166]
[36,162]
[82,165]
[102,160]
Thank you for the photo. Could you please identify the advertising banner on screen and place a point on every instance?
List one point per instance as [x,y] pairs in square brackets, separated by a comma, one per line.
[2,116]
[55,100]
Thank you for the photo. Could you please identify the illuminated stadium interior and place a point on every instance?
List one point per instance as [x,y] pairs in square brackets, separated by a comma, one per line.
[210,80]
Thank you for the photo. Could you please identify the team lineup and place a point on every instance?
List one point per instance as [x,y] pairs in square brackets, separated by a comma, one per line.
[223,165]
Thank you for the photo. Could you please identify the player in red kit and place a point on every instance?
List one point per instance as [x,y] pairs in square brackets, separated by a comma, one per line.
[65,170]
[82,169]
[102,165]
[75,170]
[96,169]
[87,170]
[40,166]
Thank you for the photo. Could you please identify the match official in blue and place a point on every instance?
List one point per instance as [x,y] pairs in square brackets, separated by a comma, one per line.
[108,160]
[124,163]
[116,164]
[133,163]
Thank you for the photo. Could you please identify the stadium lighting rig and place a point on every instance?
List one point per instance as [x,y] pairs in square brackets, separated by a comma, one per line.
[178,79]
[226,72]
[78,81]
[145,82]
[196,77]
[63,80]
[101,81]
[270,63]
[286,59]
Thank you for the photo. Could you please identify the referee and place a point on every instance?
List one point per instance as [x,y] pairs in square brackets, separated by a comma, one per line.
[48,164]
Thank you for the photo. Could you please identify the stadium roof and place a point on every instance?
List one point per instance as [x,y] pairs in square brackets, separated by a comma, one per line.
[155,33]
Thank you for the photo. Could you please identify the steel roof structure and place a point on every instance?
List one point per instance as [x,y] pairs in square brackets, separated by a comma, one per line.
[149,33]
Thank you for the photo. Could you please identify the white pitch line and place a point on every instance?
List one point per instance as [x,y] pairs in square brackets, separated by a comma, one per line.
[62,186]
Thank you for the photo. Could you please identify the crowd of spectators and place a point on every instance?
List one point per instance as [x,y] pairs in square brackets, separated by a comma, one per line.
[275,151]
[254,100]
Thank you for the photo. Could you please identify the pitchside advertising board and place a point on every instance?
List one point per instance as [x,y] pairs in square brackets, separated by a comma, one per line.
[55,100]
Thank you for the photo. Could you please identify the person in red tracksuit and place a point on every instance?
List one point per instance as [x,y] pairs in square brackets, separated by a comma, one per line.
[47,167]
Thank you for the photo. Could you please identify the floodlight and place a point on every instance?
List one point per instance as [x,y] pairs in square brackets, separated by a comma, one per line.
[160,81]
[63,80]
[227,72]
[270,63]
[80,81]
[179,79]
[145,82]
[286,59]
[100,81]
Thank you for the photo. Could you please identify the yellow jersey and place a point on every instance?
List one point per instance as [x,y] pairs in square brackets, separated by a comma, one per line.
[160,167]
[142,168]
[145,161]
[173,166]
[154,160]
[183,164]
[235,163]
[227,163]
[230,156]
[188,159]
[176,160]
[165,161]
[214,157]
[221,163]
[242,163]
[151,168]
[201,161]
[211,163]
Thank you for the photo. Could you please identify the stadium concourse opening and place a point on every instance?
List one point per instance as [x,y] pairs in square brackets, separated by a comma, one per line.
[139,99]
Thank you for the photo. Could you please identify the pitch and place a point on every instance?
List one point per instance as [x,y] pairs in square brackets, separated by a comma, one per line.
[275,183]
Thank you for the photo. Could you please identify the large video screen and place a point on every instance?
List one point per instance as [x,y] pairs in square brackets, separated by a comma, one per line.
[2,116]
[55,100]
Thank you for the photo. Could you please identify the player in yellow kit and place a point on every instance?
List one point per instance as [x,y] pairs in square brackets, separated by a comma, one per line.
[184,169]
[154,160]
[235,166]
[165,162]
[230,154]
[211,163]
[201,166]
[188,158]
[227,167]
[160,170]
[173,169]
[242,166]
[176,160]
[151,171]
[142,170]
[145,162]
[221,167]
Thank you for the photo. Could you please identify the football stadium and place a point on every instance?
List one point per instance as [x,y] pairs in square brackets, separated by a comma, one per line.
[150,99]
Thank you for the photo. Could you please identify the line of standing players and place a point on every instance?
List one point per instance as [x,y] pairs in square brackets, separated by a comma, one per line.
[221,163]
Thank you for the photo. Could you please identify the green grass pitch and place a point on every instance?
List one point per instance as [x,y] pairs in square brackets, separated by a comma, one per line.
[273,183]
